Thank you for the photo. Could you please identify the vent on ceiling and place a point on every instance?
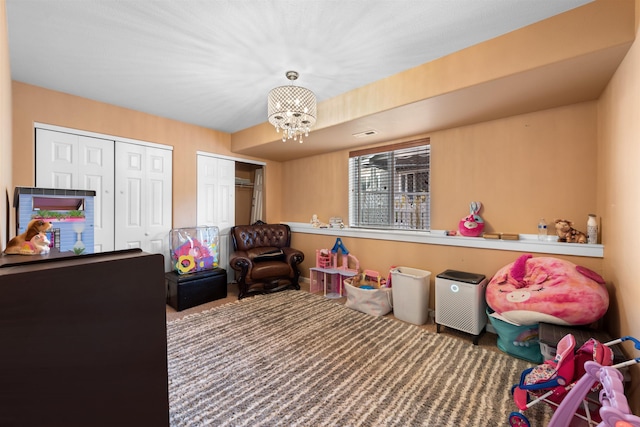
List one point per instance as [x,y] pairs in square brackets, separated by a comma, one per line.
[365,133]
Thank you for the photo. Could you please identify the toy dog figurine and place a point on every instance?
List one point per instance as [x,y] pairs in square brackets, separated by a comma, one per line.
[566,232]
[36,226]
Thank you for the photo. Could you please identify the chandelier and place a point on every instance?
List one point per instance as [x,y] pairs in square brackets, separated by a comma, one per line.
[292,109]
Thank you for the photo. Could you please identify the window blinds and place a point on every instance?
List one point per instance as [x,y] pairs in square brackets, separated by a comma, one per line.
[389,186]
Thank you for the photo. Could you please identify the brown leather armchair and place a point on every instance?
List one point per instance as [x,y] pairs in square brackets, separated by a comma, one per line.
[263,259]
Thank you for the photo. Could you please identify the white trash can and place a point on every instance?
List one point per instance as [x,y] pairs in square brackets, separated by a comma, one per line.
[410,291]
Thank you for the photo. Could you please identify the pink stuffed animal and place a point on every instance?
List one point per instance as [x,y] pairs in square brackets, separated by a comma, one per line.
[544,289]
[472,225]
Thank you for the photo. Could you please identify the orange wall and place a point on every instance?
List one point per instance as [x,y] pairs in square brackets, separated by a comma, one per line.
[6,186]
[33,104]
[521,168]
[618,195]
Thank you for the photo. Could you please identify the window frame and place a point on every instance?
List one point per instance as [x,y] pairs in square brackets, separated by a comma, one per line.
[405,210]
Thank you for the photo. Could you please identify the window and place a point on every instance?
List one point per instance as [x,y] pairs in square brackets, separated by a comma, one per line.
[389,187]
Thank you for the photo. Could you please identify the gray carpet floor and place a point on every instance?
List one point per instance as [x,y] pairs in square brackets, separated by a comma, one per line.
[299,359]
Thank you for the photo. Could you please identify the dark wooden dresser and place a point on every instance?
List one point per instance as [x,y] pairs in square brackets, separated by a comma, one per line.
[83,340]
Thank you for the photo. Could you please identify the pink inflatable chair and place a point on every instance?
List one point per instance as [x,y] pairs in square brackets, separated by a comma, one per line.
[546,289]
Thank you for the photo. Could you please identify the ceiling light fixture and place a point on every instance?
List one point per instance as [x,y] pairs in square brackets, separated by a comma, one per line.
[292,109]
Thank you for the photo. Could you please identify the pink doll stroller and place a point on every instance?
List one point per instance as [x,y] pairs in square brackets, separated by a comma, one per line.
[614,410]
[551,381]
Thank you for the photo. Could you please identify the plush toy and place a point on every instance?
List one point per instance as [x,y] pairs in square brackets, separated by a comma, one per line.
[193,256]
[35,226]
[39,244]
[316,223]
[472,225]
[545,289]
[566,232]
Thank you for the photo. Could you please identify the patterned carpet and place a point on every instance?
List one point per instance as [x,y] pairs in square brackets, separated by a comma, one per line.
[297,359]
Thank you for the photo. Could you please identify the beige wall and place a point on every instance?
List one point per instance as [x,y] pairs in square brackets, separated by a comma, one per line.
[6,186]
[521,168]
[618,195]
[33,104]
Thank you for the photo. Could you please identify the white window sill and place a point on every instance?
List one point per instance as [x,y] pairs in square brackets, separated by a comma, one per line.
[527,242]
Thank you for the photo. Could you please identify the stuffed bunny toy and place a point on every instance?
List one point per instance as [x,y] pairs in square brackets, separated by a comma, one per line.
[472,225]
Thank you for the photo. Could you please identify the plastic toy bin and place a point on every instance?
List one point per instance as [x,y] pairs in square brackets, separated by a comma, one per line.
[194,249]
[520,341]
[410,290]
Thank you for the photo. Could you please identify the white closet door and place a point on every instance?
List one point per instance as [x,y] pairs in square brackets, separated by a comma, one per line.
[69,161]
[96,172]
[143,198]
[216,200]
[159,199]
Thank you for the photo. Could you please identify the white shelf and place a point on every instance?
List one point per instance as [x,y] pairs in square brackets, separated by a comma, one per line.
[527,242]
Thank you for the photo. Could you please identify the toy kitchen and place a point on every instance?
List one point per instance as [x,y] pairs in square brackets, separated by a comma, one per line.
[71,213]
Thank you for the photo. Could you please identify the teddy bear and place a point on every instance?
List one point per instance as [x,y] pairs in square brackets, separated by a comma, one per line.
[566,232]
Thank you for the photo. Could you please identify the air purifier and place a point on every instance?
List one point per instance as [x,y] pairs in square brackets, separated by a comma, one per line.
[460,302]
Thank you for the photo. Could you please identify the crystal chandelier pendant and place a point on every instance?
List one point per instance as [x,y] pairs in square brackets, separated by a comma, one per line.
[292,109]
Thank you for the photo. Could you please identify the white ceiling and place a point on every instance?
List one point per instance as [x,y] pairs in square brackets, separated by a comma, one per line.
[212,62]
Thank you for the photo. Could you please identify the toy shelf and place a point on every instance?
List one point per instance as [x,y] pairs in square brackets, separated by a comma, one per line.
[526,242]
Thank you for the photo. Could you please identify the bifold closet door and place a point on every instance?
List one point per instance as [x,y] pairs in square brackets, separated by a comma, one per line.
[143,198]
[69,161]
[216,201]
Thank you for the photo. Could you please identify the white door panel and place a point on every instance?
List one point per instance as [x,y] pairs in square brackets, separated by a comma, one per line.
[129,182]
[157,199]
[133,244]
[60,180]
[96,172]
[159,202]
[55,159]
[216,201]
[157,245]
[208,211]
[143,197]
